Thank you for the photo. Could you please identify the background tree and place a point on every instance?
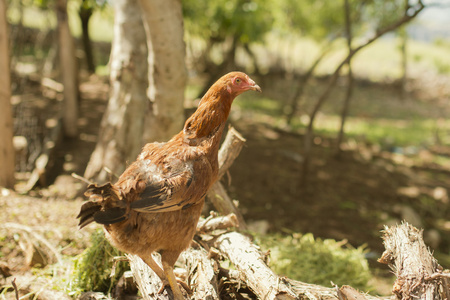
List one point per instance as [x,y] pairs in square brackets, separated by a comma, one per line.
[122,127]
[316,20]
[85,12]
[141,59]
[69,71]
[6,121]
[349,91]
[163,22]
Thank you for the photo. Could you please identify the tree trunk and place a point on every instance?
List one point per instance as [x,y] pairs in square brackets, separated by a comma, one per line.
[85,13]
[120,137]
[68,70]
[348,95]
[6,121]
[163,22]
[295,99]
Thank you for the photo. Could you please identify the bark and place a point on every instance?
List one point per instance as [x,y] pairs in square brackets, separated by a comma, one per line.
[68,70]
[163,20]
[307,140]
[6,120]
[122,127]
[202,274]
[419,276]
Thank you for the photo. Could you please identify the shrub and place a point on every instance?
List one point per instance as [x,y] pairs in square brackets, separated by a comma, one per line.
[304,258]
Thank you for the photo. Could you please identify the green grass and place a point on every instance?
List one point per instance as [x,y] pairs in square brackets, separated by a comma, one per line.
[392,132]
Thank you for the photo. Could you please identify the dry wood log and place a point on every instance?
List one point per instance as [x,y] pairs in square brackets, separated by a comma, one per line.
[147,281]
[214,222]
[224,205]
[419,276]
[308,291]
[230,149]
[253,270]
[202,274]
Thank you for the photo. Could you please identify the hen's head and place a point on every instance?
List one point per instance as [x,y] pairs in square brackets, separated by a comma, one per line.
[237,82]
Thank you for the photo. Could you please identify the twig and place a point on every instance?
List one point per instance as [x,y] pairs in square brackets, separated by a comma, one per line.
[16,290]
[79,177]
[110,172]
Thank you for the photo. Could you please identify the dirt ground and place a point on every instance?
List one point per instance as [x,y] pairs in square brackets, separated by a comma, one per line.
[347,198]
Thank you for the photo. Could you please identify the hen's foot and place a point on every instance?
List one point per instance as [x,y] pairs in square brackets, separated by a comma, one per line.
[180,282]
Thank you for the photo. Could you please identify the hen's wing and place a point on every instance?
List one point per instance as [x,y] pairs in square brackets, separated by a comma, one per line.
[171,186]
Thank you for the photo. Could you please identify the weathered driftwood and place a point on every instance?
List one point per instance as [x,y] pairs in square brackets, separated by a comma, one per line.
[247,258]
[230,149]
[419,276]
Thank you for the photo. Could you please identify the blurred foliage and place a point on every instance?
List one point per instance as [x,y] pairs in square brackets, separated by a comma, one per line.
[313,260]
[247,20]
[382,13]
[93,268]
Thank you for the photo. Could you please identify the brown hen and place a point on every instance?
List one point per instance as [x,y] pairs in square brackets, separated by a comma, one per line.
[156,203]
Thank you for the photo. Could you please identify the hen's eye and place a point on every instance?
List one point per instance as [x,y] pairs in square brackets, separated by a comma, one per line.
[238,80]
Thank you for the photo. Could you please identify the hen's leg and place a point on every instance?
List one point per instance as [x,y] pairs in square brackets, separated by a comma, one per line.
[168,259]
[156,268]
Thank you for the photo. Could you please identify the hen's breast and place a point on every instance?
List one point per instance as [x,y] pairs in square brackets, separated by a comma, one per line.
[144,232]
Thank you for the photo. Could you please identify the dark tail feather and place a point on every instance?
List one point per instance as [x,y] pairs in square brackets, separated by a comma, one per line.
[87,212]
[110,215]
[95,210]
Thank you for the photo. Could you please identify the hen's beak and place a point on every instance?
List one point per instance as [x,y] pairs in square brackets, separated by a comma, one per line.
[253,86]
[256,87]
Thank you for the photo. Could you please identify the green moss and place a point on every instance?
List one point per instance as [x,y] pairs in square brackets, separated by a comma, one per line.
[313,260]
[94,267]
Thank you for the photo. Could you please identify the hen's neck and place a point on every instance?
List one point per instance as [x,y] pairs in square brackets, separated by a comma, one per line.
[212,113]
